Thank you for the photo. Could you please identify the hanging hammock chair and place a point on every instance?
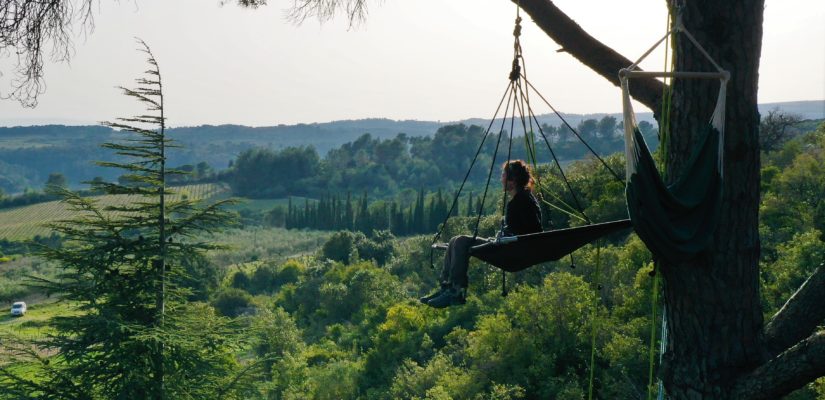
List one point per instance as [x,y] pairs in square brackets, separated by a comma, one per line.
[675,221]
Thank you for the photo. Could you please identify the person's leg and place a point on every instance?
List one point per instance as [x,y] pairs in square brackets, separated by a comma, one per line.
[444,280]
[459,259]
[449,256]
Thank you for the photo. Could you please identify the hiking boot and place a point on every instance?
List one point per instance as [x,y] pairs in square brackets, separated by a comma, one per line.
[450,297]
[433,295]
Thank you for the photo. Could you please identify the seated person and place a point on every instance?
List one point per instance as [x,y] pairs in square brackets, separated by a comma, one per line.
[523,216]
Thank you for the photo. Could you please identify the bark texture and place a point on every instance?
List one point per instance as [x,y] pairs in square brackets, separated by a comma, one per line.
[800,315]
[713,303]
[789,371]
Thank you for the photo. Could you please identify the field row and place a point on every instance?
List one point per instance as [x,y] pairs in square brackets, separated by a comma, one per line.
[25,222]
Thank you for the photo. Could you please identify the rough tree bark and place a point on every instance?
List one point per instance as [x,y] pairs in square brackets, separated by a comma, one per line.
[717,347]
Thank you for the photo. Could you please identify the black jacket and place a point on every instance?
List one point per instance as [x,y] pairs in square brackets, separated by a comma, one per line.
[523,214]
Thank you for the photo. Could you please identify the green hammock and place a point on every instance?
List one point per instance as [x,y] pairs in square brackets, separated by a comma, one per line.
[675,221]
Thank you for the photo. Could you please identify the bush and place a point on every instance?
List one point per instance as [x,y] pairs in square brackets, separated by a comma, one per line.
[240,280]
[290,272]
[344,246]
[379,247]
[341,246]
[232,302]
[263,279]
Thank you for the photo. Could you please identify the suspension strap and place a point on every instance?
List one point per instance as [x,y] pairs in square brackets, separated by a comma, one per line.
[654,301]
[594,322]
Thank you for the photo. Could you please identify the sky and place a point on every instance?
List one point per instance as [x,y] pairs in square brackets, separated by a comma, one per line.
[438,60]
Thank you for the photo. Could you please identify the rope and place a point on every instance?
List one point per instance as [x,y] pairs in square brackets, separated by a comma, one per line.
[467,175]
[595,321]
[654,296]
[563,120]
[509,154]
[561,170]
[492,164]
[529,139]
[664,135]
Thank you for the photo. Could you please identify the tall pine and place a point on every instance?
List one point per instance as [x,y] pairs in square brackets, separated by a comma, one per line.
[135,336]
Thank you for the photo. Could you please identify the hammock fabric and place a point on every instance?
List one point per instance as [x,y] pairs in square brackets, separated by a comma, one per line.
[536,248]
[676,221]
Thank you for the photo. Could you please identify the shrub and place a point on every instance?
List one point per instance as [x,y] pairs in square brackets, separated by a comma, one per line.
[232,302]
[341,246]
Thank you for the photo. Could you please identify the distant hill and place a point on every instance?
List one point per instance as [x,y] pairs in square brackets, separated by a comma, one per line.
[811,109]
[28,154]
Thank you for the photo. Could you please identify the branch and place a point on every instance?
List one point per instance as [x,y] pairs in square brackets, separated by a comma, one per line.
[787,372]
[591,52]
[800,315]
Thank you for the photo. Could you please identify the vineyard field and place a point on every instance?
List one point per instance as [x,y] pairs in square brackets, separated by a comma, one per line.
[22,223]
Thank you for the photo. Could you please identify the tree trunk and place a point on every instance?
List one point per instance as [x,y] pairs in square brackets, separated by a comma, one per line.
[718,348]
[713,304]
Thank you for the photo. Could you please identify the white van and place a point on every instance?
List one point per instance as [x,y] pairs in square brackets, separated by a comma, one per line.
[18,309]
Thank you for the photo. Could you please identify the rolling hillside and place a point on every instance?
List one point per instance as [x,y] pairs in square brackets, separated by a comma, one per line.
[25,222]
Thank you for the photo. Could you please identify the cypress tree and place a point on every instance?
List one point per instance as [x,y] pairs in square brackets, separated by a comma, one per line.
[363,218]
[470,208]
[289,214]
[418,216]
[349,217]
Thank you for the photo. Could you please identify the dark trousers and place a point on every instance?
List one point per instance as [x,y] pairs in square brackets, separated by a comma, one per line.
[457,260]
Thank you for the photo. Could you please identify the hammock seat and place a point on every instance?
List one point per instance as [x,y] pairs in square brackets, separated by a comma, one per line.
[676,221]
[521,252]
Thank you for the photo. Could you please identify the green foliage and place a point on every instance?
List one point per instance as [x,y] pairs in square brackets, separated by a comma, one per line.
[232,302]
[125,267]
[793,190]
[340,247]
[347,246]
[264,172]
[440,378]
[795,261]
[383,166]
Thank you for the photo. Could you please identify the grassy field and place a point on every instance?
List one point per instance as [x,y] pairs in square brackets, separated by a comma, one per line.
[33,325]
[258,243]
[25,222]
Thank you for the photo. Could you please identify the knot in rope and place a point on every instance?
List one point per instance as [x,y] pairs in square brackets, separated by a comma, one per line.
[515,72]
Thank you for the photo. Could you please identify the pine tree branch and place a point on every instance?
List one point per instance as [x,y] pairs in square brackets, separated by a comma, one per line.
[591,52]
[800,315]
[789,371]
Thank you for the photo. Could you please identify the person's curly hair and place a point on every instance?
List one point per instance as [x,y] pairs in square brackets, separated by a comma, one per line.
[519,172]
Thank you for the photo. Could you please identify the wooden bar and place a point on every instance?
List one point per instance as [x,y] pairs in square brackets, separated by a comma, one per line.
[657,74]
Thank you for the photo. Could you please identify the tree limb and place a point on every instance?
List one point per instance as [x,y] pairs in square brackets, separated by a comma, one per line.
[591,52]
[787,372]
[800,315]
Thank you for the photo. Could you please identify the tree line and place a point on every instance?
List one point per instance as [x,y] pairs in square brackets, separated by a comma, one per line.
[383,167]
[334,212]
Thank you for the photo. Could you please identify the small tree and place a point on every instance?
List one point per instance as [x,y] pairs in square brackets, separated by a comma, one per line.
[135,337]
[56,179]
[773,128]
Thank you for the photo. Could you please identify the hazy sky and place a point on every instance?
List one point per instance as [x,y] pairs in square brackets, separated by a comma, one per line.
[413,59]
